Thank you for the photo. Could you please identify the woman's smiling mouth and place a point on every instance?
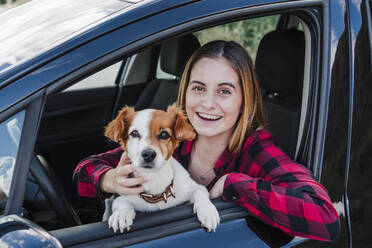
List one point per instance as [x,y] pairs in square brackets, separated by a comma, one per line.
[208,117]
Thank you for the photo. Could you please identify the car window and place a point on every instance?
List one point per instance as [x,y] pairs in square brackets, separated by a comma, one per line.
[100,79]
[10,133]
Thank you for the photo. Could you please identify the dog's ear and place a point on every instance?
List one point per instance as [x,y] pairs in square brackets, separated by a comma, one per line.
[182,129]
[117,129]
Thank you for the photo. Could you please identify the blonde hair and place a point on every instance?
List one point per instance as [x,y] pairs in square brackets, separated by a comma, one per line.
[253,114]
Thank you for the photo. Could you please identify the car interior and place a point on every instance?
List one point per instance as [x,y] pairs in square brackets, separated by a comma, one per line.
[74,119]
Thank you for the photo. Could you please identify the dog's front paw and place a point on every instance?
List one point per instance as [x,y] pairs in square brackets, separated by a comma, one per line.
[207,215]
[121,219]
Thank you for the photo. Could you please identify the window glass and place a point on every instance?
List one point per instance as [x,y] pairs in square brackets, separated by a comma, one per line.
[10,133]
[103,78]
[248,33]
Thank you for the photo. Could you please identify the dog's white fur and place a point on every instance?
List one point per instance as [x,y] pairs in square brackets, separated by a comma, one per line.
[157,180]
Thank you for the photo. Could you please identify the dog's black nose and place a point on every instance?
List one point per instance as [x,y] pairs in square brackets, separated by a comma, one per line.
[148,155]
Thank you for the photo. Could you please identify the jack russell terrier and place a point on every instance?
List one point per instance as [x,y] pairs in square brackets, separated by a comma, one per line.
[149,137]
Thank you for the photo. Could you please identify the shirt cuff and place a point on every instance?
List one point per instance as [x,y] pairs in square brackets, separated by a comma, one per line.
[231,186]
[97,177]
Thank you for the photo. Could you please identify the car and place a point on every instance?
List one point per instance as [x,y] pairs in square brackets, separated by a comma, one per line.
[67,67]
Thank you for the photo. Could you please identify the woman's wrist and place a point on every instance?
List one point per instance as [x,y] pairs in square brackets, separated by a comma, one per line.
[105,182]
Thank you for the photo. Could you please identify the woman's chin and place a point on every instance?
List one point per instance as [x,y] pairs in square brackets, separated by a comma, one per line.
[208,132]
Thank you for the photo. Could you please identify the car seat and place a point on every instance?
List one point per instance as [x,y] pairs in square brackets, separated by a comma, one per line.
[159,93]
[280,70]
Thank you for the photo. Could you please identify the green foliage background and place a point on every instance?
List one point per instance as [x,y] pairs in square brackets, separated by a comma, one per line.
[12,3]
[248,33]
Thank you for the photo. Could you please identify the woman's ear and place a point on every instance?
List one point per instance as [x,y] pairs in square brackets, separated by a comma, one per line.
[117,129]
[182,129]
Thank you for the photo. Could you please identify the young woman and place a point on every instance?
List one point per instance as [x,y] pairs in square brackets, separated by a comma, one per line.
[233,155]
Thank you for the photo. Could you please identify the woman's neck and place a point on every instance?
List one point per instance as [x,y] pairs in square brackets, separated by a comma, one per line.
[211,147]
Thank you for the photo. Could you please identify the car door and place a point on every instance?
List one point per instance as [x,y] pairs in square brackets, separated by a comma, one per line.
[359,185]
[168,226]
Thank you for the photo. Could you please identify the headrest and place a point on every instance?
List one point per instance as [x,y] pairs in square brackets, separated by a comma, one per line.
[176,52]
[280,63]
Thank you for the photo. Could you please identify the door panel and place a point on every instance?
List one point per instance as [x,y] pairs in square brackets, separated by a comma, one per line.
[234,233]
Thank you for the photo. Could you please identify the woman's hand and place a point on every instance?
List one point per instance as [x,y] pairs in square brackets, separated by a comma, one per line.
[217,189]
[117,180]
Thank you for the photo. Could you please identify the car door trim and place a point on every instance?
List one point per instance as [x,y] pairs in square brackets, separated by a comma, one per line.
[34,106]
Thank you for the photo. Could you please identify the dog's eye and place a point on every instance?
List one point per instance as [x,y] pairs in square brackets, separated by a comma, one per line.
[134,134]
[164,135]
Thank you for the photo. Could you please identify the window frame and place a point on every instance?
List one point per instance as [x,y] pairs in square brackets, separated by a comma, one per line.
[33,106]
[64,235]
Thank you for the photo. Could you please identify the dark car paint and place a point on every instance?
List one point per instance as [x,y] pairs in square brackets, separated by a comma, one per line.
[339,153]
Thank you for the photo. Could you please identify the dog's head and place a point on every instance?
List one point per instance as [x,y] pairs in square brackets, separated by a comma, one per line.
[149,136]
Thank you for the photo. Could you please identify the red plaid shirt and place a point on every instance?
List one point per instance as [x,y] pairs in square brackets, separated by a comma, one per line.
[262,179]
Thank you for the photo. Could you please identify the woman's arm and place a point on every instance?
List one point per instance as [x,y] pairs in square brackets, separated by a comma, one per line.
[86,177]
[281,192]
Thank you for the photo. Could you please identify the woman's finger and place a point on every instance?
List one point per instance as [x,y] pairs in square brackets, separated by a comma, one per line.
[124,159]
[130,182]
[131,191]
[124,171]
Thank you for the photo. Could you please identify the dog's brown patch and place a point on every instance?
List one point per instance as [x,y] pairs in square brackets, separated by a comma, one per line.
[174,122]
[182,129]
[162,121]
[117,129]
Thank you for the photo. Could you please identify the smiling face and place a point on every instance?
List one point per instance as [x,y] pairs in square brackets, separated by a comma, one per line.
[213,97]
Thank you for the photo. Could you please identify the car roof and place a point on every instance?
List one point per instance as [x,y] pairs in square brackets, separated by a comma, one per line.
[40,25]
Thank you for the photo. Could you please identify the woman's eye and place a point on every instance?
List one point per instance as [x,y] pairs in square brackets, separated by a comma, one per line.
[164,135]
[134,134]
[197,88]
[224,91]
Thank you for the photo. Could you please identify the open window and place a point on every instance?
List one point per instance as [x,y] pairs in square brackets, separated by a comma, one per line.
[281,45]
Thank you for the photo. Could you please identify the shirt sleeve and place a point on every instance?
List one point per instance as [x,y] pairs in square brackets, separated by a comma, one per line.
[281,193]
[88,172]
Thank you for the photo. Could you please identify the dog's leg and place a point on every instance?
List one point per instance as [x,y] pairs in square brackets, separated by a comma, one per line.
[108,208]
[205,210]
[122,214]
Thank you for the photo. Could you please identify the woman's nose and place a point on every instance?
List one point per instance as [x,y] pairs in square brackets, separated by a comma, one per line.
[208,101]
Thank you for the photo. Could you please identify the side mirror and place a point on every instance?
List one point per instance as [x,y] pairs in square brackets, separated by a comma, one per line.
[18,232]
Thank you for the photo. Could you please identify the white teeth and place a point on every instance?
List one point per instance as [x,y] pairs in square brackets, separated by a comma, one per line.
[210,117]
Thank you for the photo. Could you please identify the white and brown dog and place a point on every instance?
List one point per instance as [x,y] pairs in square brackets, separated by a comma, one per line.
[149,137]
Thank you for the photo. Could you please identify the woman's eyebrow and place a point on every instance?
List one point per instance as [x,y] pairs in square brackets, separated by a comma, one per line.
[220,84]
[227,84]
[197,82]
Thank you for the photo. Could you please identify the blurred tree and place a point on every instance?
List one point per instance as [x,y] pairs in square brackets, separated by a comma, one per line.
[13,2]
[248,33]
